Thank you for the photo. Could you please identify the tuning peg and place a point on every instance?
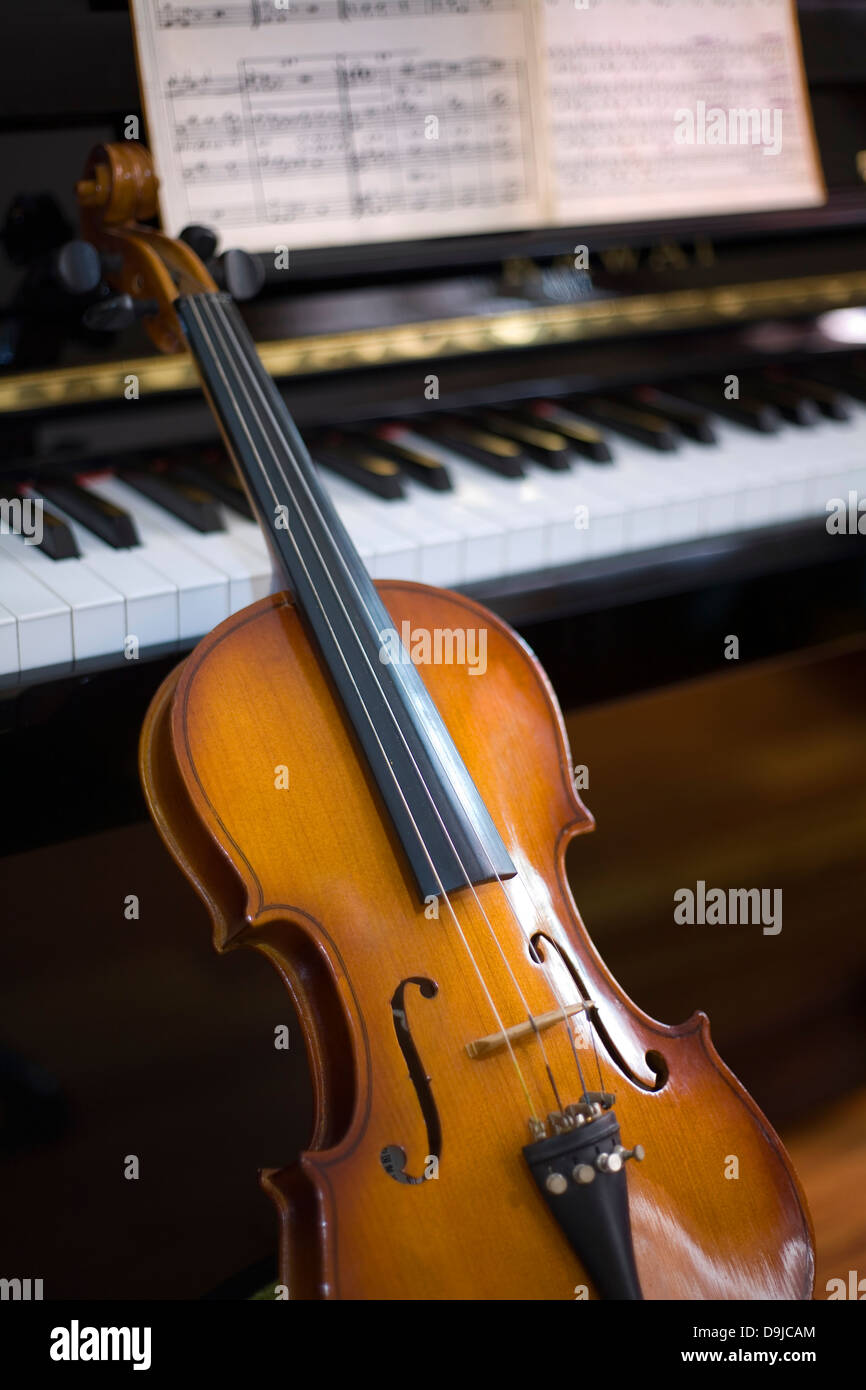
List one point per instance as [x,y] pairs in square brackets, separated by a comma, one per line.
[201,240]
[236,271]
[240,273]
[76,267]
[119,312]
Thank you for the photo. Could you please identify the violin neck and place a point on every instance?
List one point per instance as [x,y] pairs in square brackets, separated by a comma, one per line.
[444,826]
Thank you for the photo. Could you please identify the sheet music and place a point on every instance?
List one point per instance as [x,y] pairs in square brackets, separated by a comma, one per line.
[314,123]
[331,122]
[639,103]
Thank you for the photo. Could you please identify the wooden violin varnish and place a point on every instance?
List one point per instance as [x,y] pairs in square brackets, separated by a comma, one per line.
[494,1118]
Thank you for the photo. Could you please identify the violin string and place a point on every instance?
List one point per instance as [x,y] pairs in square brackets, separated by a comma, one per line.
[229,329]
[241,358]
[551,982]
[500,1024]
[316,509]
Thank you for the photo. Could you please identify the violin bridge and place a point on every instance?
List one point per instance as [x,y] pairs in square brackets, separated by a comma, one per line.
[494,1042]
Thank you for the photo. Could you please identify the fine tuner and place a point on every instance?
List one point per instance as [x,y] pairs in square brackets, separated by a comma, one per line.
[585,1173]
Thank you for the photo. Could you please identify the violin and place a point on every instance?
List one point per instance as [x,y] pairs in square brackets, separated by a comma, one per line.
[494,1118]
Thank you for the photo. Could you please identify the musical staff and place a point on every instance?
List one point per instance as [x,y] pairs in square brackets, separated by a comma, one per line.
[256,13]
[364,136]
[618,98]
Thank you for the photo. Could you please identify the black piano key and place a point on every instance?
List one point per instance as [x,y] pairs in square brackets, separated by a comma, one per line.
[424,467]
[832,403]
[215,474]
[541,443]
[490,450]
[104,519]
[754,414]
[187,501]
[840,374]
[690,420]
[57,542]
[370,470]
[584,438]
[640,424]
[791,404]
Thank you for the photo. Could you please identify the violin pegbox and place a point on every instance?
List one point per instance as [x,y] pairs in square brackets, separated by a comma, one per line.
[117,196]
[145,270]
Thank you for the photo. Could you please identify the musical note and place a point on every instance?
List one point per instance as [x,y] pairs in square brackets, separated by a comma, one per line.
[255,13]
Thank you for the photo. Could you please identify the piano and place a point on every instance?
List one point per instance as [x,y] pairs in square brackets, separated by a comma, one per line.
[564,444]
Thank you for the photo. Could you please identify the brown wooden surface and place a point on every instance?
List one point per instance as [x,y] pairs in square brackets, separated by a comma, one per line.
[164,1050]
[323,880]
[829,1153]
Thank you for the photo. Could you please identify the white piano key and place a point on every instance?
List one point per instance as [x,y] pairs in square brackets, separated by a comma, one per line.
[247,532]
[527,525]
[247,537]
[247,566]
[150,599]
[513,538]
[591,512]
[714,489]
[482,543]
[433,551]
[695,500]
[643,501]
[202,589]
[249,575]
[97,609]
[385,549]
[537,530]
[762,466]
[513,504]
[44,621]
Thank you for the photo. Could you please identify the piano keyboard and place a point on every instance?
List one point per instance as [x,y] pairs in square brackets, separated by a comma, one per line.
[448,501]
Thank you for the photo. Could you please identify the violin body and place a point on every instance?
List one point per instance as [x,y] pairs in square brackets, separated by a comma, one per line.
[255,781]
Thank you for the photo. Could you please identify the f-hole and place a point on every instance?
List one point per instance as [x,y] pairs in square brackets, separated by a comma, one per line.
[393,1157]
[654,1060]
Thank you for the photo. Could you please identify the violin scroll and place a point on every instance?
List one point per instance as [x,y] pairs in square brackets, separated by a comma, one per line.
[119,186]
[146,271]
